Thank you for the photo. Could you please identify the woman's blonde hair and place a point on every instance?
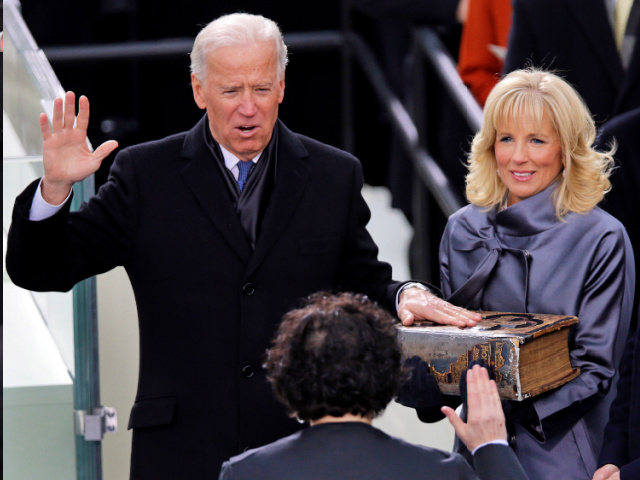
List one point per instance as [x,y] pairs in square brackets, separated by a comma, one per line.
[534,93]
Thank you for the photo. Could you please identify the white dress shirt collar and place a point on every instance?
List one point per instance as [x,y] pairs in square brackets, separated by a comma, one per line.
[231,161]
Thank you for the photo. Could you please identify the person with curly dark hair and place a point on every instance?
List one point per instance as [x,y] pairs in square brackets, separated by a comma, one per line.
[336,363]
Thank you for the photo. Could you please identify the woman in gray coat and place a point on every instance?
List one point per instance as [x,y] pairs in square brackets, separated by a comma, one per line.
[534,240]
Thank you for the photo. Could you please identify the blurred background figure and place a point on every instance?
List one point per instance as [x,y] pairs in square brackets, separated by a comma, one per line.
[483,46]
[623,201]
[336,364]
[620,454]
[591,43]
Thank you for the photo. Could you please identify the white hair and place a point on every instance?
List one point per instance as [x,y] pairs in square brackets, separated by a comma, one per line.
[236,29]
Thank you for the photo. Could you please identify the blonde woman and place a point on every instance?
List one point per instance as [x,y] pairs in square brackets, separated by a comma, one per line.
[534,240]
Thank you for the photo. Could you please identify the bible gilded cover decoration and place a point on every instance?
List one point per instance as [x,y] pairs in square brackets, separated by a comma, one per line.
[528,353]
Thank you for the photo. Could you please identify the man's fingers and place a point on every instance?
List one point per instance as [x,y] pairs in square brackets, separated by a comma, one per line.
[56,121]
[463,314]
[82,122]
[105,149]
[454,315]
[44,127]
[445,314]
[69,109]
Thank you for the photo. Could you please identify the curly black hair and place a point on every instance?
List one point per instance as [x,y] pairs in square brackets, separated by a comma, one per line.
[338,354]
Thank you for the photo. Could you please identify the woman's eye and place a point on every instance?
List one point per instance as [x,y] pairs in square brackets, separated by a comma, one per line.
[505,138]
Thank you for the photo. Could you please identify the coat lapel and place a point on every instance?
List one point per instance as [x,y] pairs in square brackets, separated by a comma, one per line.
[292,174]
[207,185]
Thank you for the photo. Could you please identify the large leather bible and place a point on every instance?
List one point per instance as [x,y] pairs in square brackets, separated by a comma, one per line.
[527,353]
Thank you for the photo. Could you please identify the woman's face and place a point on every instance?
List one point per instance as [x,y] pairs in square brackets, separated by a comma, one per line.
[528,158]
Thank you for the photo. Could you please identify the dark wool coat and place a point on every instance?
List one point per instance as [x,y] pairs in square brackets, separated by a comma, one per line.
[208,305]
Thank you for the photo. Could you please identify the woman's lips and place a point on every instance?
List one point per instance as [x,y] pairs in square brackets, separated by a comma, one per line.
[522,176]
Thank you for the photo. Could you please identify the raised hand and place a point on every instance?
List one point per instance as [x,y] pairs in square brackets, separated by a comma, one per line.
[66,155]
[485,419]
[416,304]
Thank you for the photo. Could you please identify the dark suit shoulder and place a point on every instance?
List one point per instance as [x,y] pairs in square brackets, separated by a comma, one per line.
[317,147]
[163,147]
[625,124]
[357,451]
[328,160]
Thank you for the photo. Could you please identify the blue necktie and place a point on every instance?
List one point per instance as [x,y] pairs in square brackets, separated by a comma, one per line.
[245,168]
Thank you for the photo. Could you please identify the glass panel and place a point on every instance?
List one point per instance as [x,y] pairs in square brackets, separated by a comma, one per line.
[50,365]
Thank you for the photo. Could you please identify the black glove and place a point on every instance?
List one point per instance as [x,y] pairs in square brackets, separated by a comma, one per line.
[421,391]
[520,412]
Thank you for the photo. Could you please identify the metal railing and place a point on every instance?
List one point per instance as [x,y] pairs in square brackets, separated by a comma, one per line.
[424,164]
[432,48]
[300,41]
[31,86]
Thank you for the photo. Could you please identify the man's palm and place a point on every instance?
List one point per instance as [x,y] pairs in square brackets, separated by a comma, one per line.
[67,157]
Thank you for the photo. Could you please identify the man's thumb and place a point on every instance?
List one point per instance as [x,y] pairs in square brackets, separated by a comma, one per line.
[406,317]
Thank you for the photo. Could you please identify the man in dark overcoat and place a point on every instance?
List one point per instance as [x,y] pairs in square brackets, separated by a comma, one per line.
[221,229]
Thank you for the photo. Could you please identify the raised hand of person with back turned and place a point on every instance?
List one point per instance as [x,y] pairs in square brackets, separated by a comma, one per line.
[485,418]
[66,155]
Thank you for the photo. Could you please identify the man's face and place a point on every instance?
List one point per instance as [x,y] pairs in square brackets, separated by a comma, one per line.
[241,93]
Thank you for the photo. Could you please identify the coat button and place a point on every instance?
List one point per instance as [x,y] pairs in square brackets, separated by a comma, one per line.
[512,439]
[247,371]
[248,289]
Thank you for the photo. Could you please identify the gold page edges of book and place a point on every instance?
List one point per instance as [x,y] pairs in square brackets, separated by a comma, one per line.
[527,353]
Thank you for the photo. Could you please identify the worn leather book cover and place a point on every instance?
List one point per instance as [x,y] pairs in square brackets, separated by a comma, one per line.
[528,353]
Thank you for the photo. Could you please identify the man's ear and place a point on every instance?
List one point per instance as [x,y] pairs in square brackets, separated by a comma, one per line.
[198,92]
[281,97]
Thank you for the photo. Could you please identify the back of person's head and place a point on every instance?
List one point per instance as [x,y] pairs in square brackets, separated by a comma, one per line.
[336,355]
[532,94]
[236,30]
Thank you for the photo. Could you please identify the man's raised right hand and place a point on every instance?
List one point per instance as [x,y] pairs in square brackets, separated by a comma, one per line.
[66,155]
